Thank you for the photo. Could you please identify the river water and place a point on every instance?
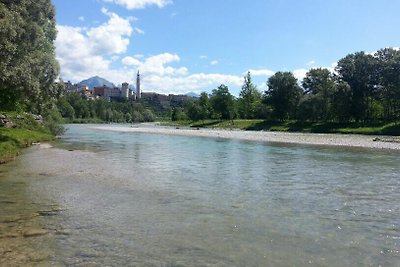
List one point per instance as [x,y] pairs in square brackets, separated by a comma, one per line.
[103,198]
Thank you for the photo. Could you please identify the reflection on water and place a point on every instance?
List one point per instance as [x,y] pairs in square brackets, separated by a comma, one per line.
[123,199]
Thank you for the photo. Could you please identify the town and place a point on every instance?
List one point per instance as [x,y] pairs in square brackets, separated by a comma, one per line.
[125,92]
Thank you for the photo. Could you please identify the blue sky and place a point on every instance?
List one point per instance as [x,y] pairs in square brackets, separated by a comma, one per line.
[196,45]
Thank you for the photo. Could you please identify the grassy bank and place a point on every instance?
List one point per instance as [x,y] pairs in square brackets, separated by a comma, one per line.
[25,132]
[296,126]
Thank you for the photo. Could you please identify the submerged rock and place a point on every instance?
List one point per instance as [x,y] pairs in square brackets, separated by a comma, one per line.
[35,232]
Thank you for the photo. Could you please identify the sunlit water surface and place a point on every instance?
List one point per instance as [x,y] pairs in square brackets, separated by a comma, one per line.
[128,199]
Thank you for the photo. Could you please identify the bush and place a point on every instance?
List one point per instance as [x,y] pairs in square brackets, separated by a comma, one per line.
[53,122]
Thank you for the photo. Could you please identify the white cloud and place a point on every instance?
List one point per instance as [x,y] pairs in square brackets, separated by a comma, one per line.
[131,61]
[85,52]
[196,82]
[261,72]
[111,37]
[160,76]
[81,18]
[311,63]
[138,30]
[139,4]
[203,57]
[214,62]
[300,74]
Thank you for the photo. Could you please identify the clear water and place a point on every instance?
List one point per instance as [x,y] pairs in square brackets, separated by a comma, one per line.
[127,199]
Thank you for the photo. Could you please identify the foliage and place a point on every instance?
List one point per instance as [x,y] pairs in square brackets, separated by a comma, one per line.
[27,55]
[358,71]
[249,101]
[318,87]
[26,131]
[283,95]
[53,121]
[223,103]
[76,109]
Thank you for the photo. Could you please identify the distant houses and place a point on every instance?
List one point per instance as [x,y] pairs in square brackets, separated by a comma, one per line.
[115,93]
[106,92]
[112,93]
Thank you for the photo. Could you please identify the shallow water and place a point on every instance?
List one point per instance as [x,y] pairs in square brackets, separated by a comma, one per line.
[128,199]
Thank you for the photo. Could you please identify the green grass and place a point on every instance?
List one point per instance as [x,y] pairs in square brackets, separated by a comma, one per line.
[13,140]
[26,131]
[296,126]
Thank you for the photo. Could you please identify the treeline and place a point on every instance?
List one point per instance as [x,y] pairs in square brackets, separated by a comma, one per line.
[74,108]
[362,88]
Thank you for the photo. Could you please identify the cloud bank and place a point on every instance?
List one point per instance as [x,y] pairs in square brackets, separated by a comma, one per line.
[101,50]
[139,4]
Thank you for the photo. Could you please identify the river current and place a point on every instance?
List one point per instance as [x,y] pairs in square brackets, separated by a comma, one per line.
[105,198]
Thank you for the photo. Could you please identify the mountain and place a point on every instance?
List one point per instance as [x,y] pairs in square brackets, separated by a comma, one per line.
[192,94]
[97,81]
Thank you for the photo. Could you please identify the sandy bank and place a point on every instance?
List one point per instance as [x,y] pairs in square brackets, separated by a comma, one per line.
[261,136]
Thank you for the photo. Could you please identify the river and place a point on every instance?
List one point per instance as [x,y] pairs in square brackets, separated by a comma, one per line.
[109,198]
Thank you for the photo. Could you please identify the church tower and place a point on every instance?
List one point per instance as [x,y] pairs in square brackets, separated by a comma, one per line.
[138,91]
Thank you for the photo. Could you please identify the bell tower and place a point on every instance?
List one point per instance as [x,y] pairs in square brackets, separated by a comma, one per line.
[138,91]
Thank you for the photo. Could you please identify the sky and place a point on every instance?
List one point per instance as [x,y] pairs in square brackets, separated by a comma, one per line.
[182,46]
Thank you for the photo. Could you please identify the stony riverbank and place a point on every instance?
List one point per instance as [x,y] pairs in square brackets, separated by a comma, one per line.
[365,141]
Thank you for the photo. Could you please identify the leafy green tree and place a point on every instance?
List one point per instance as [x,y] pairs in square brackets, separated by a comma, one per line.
[137,116]
[178,114]
[65,108]
[223,103]
[389,81]
[28,67]
[128,118]
[205,106]
[249,99]
[358,70]
[194,110]
[148,115]
[283,95]
[318,87]
[341,104]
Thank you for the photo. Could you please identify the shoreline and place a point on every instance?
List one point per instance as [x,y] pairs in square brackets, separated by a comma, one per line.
[338,140]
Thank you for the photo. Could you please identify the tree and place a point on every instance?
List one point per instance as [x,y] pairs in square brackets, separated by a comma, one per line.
[389,81]
[318,88]
[223,103]
[249,99]
[358,70]
[341,104]
[193,110]
[205,106]
[28,67]
[65,108]
[283,95]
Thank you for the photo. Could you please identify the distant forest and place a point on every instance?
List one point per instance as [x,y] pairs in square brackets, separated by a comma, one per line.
[362,88]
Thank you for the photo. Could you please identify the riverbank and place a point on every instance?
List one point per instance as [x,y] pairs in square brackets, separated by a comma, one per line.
[12,141]
[19,131]
[391,129]
[343,140]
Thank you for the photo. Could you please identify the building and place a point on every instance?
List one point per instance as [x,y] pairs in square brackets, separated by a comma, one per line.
[115,93]
[138,90]
[125,90]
